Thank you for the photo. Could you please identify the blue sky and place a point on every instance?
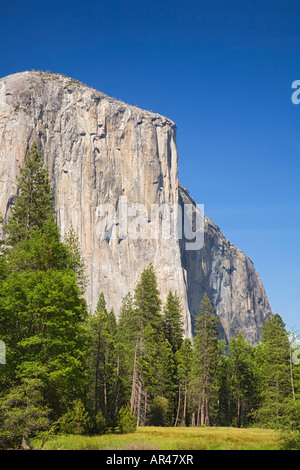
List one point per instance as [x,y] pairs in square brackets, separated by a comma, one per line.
[222,70]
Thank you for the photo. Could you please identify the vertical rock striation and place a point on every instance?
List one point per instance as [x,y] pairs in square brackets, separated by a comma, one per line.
[105,156]
[229,278]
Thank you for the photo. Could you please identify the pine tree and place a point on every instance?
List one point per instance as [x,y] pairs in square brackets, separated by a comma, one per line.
[273,359]
[31,229]
[173,322]
[127,339]
[42,319]
[149,352]
[243,379]
[205,363]
[128,324]
[42,312]
[34,203]
[23,415]
[147,301]
[226,411]
[76,262]
[101,361]
[149,322]
[184,360]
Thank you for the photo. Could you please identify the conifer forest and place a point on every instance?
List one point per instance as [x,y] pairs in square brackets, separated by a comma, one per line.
[69,371]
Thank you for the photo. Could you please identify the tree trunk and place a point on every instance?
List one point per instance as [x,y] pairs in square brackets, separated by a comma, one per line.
[207,422]
[238,417]
[26,444]
[184,405]
[291,369]
[105,396]
[145,407]
[178,406]
[199,413]
[117,387]
[134,382]
[203,417]
[96,404]
[139,406]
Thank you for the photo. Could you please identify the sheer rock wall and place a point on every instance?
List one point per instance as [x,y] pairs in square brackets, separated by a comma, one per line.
[102,151]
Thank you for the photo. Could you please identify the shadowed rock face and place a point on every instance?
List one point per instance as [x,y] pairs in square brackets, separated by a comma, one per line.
[102,151]
[228,277]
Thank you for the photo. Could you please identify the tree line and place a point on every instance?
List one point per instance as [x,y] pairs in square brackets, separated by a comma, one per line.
[69,371]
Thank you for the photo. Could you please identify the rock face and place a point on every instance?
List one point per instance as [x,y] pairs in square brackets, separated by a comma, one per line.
[112,167]
[228,277]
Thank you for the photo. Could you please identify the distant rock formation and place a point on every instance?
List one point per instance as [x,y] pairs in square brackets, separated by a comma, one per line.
[102,151]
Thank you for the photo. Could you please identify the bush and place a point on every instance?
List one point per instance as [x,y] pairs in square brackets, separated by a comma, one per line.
[23,415]
[126,420]
[159,411]
[290,425]
[99,424]
[75,421]
[290,440]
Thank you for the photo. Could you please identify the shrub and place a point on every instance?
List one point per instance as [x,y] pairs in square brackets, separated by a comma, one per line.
[289,429]
[99,424]
[23,415]
[290,440]
[75,421]
[126,420]
[159,411]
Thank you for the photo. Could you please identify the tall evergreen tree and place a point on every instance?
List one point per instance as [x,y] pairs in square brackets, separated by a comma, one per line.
[225,398]
[148,350]
[128,328]
[42,311]
[173,322]
[243,379]
[184,360]
[101,361]
[31,229]
[205,363]
[273,359]
[34,203]
[42,318]
[76,261]
[147,301]
[127,340]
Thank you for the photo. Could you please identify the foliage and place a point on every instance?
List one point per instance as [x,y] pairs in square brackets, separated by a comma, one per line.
[75,420]
[290,425]
[273,359]
[173,323]
[243,380]
[82,370]
[34,203]
[126,420]
[99,424]
[147,301]
[206,354]
[75,261]
[42,312]
[23,414]
[102,362]
[159,411]
[184,360]
[42,317]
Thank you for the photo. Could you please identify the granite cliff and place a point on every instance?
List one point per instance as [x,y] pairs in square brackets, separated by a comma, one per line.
[106,159]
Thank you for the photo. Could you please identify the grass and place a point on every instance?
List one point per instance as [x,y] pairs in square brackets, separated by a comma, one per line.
[157,438]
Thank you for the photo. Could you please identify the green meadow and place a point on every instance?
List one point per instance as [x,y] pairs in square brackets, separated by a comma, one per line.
[167,438]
